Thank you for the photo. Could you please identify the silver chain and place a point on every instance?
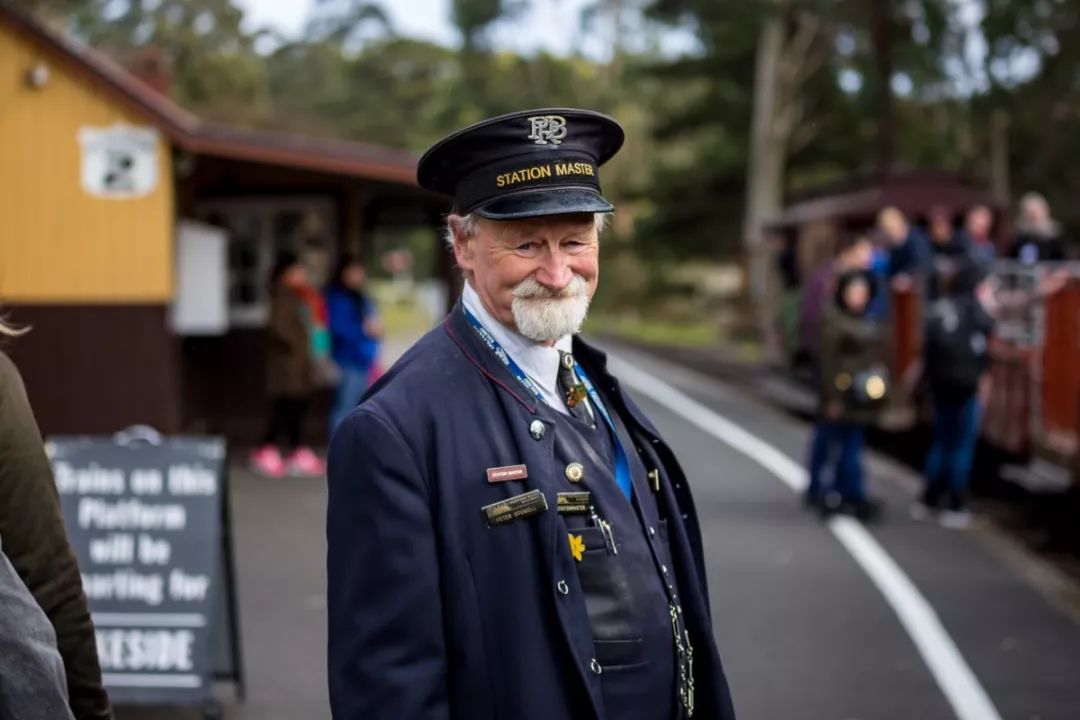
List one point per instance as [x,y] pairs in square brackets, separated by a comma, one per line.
[685,655]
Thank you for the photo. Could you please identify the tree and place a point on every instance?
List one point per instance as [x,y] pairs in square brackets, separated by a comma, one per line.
[215,67]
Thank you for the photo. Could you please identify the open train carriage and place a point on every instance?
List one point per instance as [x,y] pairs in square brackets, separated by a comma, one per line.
[1033,417]
[806,234]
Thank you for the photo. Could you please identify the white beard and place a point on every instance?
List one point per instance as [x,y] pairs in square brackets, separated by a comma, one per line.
[543,315]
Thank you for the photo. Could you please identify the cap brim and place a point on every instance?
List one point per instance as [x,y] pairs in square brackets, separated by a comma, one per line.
[539,203]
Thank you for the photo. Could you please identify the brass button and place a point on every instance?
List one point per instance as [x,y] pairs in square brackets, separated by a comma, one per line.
[575,472]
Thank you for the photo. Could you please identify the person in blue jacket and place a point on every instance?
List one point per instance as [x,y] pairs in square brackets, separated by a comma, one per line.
[508,535]
[355,330]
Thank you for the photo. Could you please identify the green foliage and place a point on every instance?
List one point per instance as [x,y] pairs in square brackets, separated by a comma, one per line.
[679,182]
[215,67]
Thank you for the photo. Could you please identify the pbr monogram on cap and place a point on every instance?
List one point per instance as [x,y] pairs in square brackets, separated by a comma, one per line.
[548,128]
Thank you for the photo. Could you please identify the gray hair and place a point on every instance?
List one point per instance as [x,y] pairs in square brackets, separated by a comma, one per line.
[467,226]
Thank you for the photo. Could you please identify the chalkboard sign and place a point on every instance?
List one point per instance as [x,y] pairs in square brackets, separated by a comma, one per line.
[144,515]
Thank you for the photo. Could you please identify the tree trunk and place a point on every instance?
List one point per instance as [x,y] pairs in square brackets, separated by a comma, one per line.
[765,176]
[999,156]
[882,24]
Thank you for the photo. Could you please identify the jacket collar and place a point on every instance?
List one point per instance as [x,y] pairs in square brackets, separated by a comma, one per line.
[457,326]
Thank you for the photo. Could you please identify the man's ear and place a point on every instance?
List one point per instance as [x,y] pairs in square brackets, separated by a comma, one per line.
[464,245]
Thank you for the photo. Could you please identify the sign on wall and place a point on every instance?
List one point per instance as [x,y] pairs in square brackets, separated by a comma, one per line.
[119,162]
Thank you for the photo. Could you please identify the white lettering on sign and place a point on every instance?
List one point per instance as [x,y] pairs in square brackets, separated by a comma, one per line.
[191,588]
[192,480]
[124,585]
[145,650]
[119,162]
[114,549]
[154,552]
[130,514]
[94,479]
[147,482]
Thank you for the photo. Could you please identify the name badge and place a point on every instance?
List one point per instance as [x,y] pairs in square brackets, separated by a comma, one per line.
[573,503]
[516,508]
[504,474]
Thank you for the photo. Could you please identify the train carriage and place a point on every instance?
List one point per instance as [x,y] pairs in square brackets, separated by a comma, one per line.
[1033,416]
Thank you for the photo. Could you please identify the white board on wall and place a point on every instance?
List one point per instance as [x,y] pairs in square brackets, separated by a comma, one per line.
[201,303]
[119,162]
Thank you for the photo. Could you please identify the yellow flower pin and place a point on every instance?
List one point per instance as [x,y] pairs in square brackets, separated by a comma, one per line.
[577,546]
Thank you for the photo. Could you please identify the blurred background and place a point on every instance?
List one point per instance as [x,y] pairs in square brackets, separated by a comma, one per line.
[158,156]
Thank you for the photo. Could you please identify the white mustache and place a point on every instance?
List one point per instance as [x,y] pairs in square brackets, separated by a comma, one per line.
[531,289]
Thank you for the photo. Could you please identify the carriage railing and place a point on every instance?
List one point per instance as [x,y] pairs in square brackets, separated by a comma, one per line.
[1036,354]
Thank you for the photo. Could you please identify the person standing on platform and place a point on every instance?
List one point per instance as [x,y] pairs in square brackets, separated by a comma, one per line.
[852,385]
[949,249]
[34,540]
[508,534]
[355,330]
[978,225]
[1038,235]
[909,249]
[291,373]
[956,363]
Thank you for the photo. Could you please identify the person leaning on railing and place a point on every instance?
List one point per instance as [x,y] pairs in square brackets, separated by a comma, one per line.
[34,540]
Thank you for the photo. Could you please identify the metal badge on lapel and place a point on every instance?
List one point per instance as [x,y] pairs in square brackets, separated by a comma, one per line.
[515,508]
[537,429]
[507,473]
[575,472]
[573,503]
[575,395]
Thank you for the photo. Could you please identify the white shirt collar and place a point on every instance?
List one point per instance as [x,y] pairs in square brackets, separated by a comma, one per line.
[539,362]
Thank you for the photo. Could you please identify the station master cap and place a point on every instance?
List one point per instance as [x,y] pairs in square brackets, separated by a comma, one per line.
[525,164]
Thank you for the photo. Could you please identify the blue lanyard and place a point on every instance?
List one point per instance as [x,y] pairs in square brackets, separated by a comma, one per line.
[622,463]
[508,361]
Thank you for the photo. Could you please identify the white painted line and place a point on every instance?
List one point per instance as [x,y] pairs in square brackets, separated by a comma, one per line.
[151,680]
[953,675]
[187,620]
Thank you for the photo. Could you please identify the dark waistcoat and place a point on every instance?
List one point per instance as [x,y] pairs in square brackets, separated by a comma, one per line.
[626,577]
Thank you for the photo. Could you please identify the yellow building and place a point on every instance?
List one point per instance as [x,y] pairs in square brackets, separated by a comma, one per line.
[135,238]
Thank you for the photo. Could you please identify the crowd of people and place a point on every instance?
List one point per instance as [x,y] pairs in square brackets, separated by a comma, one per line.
[314,341]
[845,309]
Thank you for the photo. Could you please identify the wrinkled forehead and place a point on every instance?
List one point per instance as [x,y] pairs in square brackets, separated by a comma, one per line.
[556,226]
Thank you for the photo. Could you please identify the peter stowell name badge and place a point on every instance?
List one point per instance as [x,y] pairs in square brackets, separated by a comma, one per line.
[515,508]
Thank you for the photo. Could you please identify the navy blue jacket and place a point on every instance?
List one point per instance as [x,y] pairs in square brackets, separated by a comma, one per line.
[914,255]
[432,614]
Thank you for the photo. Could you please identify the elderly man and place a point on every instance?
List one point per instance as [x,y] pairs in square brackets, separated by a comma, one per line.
[509,536]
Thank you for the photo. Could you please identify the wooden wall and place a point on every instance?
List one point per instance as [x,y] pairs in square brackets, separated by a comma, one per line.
[58,243]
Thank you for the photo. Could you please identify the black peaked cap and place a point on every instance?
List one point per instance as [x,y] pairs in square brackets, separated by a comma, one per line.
[525,164]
